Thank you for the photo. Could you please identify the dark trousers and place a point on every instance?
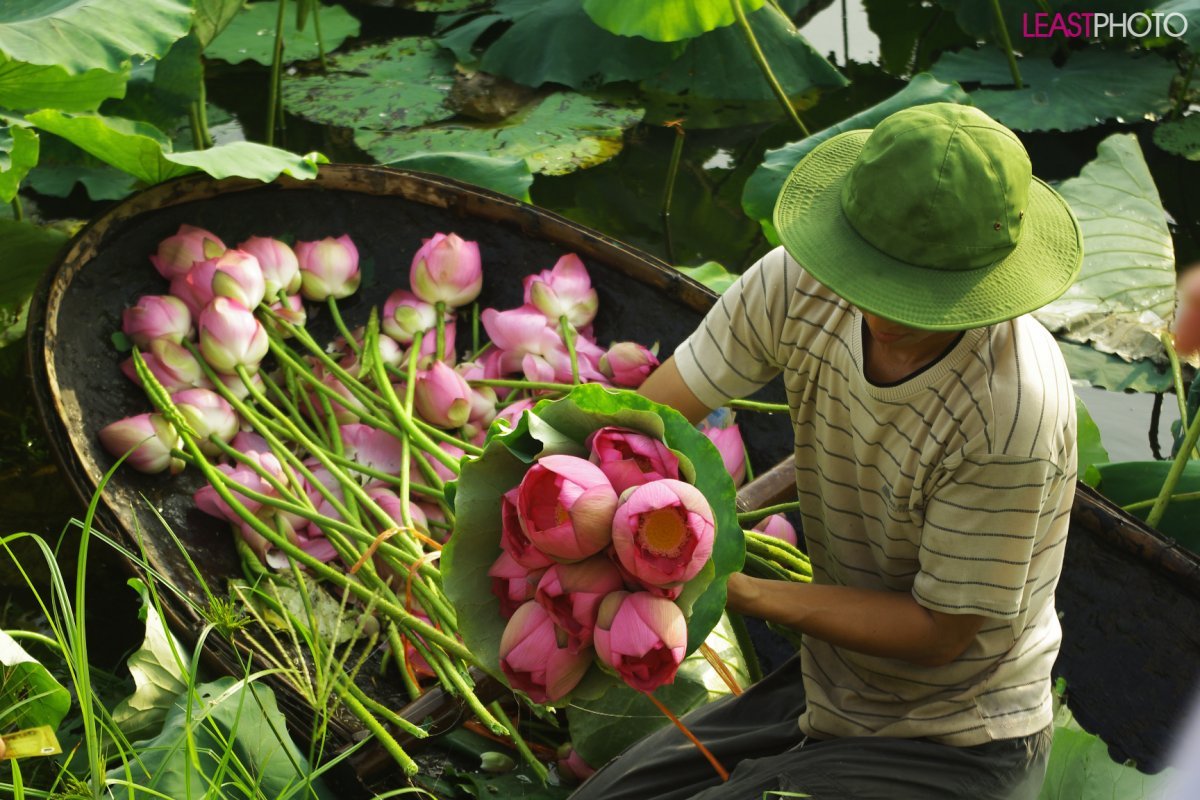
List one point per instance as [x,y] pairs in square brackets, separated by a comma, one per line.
[756,738]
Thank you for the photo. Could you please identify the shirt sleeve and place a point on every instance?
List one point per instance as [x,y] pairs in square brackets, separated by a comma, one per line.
[981,529]
[734,351]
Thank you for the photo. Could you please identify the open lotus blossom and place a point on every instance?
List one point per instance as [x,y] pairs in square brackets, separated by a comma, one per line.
[571,594]
[149,440]
[535,660]
[628,458]
[642,637]
[634,582]
[442,397]
[171,364]
[209,415]
[210,502]
[447,269]
[732,449]
[513,584]
[566,507]
[157,317]
[1187,315]
[565,290]
[231,337]
[328,268]
[627,364]
[513,539]
[280,267]
[371,447]
[777,525]
[663,532]
[176,254]
[526,342]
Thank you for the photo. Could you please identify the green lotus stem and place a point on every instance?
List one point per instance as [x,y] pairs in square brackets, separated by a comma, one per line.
[463,690]
[1175,498]
[276,71]
[435,432]
[787,547]
[202,111]
[305,397]
[519,742]
[18,211]
[766,511]
[1176,472]
[568,335]
[1168,342]
[780,556]
[340,324]
[439,309]
[669,190]
[475,330]
[398,410]
[391,717]
[1181,100]
[401,659]
[292,410]
[760,567]
[194,121]
[509,383]
[761,59]
[320,39]
[741,635]
[754,405]
[381,733]
[1002,29]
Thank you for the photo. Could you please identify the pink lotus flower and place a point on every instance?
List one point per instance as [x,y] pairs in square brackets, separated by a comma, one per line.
[157,317]
[777,525]
[442,397]
[522,332]
[176,254]
[566,507]
[1187,317]
[237,275]
[642,637]
[371,447]
[210,502]
[572,769]
[512,412]
[628,364]
[148,438]
[483,400]
[324,480]
[663,532]
[732,449]
[447,269]
[513,539]
[280,267]
[571,594]
[405,315]
[172,365]
[328,268]
[230,336]
[628,458]
[513,584]
[291,309]
[564,290]
[209,415]
[534,660]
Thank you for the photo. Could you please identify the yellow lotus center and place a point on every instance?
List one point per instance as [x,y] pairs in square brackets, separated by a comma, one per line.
[663,532]
[560,514]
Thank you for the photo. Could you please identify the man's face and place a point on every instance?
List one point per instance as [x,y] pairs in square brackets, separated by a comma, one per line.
[893,334]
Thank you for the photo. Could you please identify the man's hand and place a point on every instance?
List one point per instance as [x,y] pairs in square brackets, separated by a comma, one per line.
[665,385]
[888,624]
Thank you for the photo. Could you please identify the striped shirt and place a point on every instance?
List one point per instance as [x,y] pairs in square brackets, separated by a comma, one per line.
[953,485]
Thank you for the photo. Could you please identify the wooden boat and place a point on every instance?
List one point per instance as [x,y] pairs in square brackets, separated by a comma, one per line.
[1128,665]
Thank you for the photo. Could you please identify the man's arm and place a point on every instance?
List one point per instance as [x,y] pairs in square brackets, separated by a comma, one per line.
[665,385]
[888,624]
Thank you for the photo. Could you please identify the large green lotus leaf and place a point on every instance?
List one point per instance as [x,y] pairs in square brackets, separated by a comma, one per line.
[556,135]
[18,155]
[1125,292]
[1080,768]
[159,670]
[29,694]
[180,73]
[1106,371]
[212,17]
[251,34]
[1090,448]
[508,175]
[1095,86]
[225,716]
[83,35]
[664,20]
[911,33]
[564,424]
[27,252]
[402,83]
[143,151]
[1182,136]
[711,274]
[1190,9]
[31,86]
[1126,482]
[758,198]
[554,41]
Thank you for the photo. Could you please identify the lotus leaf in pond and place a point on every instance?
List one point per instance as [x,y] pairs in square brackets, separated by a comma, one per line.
[251,34]
[32,86]
[18,154]
[556,135]
[402,83]
[667,20]
[1181,137]
[508,175]
[1106,371]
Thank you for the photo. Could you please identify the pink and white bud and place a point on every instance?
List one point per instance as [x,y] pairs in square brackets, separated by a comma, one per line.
[777,525]
[564,290]
[328,268]
[628,364]
[230,336]
[149,440]
[176,254]
[238,276]
[732,449]
[280,267]
[157,317]
[292,310]
[209,415]
[442,397]
[447,269]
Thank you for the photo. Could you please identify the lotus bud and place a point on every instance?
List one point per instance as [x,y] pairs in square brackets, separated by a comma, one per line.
[628,364]
[572,769]
[372,448]
[291,309]
[663,532]
[194,287]
[628,458]
[442,397]
[564,290]
[172,365]
[149,440]
[447,269]
[405,315]
[249,442]
[209,415]
[571,594]
[157,317]
[642,637]
[176,254]
[513,584]
[230,336]
[513,539]
[496,763]
[239,277]
[483,400]
[280,267]
[732,449]
[533,659]
[328,268]
[566,507]
[777,525]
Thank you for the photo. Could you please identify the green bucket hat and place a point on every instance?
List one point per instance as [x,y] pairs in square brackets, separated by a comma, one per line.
[933,220]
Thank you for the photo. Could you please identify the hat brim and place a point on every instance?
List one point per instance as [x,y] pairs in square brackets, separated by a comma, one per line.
[815,231]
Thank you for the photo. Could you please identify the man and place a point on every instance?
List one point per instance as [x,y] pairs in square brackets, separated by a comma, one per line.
[935,450]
